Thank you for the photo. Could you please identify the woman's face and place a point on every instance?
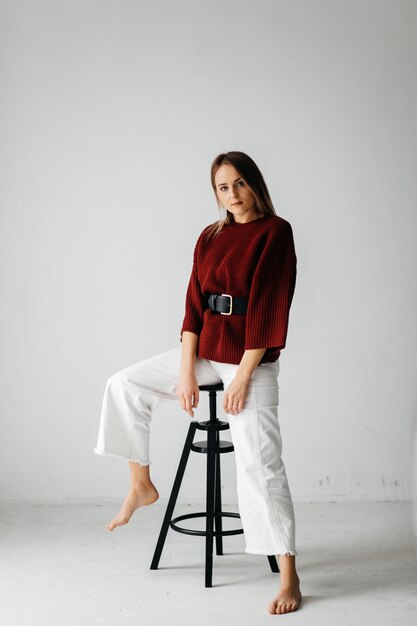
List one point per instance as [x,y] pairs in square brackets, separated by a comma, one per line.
[234,194]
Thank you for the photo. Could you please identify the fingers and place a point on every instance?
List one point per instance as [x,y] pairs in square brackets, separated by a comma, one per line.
[232,405]
[234,398]
[188,401]
[189,404]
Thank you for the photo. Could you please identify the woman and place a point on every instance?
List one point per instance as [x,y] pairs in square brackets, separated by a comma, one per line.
[235,326]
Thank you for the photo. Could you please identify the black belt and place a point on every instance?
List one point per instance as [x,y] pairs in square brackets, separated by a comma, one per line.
[226,304]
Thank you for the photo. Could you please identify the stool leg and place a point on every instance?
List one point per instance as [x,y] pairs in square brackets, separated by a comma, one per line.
[174,494]
[211,468]
[218,501]
[274,564]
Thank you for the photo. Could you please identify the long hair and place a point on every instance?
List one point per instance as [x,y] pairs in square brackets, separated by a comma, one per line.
[251,174]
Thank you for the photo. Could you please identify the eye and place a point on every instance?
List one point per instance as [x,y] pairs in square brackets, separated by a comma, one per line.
[224,187]
[241,183]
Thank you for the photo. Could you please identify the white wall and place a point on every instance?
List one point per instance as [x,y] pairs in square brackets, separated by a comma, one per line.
[112,112]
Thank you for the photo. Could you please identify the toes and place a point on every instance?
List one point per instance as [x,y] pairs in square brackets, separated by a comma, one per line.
[117,522]
[294,606]
[278,607]
[272,609]
[113,524]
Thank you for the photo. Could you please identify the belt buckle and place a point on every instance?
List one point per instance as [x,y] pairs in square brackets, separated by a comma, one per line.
[231,304]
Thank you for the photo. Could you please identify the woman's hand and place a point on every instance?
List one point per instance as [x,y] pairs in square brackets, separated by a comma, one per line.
[188,391]
[235,395]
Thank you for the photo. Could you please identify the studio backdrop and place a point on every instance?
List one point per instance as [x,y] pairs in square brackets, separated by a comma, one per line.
[111,114]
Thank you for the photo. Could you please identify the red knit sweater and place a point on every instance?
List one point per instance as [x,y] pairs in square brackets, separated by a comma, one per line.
[255,260]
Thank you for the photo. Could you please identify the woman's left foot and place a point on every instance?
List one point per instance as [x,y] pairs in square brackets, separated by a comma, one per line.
[287,600]
[139,496]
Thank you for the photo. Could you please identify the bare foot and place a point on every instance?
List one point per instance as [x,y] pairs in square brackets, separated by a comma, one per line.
[287,600]
[138,496]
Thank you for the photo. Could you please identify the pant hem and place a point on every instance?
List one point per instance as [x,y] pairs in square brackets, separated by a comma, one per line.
[120,456]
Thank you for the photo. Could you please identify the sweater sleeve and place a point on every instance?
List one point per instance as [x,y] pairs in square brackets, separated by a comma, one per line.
[271,293]
[193,318]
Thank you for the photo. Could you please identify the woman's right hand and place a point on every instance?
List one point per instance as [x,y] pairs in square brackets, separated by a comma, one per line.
[188,391]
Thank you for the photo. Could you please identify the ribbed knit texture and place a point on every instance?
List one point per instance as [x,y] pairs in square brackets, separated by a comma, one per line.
[256,260]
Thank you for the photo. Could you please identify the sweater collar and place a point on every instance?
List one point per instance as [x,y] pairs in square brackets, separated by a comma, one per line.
[246,224]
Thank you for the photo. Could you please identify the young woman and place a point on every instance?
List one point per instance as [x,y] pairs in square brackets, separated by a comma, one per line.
[235,326]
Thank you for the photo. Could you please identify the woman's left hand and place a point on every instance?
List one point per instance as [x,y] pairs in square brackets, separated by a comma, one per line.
[235,395]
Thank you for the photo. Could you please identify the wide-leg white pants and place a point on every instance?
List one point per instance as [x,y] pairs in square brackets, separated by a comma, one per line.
[264,499]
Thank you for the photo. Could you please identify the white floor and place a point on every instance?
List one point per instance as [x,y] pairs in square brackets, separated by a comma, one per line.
[59,566]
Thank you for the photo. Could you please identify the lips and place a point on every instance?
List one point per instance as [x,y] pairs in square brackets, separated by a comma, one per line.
[234,203]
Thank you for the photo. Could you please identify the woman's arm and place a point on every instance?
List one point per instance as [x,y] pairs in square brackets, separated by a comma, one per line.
[189,351]
[235,395]
[187,389]
[249,362]
[271,292]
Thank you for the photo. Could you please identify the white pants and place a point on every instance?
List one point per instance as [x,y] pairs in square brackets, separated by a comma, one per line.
[264,499]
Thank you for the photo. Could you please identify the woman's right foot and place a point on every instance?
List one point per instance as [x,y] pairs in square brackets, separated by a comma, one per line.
[137,497]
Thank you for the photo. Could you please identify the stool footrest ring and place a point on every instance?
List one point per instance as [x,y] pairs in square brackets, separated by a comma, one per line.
[222,447]
[202,533]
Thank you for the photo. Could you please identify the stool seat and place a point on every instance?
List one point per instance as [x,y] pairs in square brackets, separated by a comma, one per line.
[213,387]
[213,447]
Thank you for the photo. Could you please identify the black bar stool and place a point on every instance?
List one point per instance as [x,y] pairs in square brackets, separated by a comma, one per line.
[213,514]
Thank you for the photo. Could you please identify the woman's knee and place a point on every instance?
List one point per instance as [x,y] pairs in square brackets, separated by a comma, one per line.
[118,379]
